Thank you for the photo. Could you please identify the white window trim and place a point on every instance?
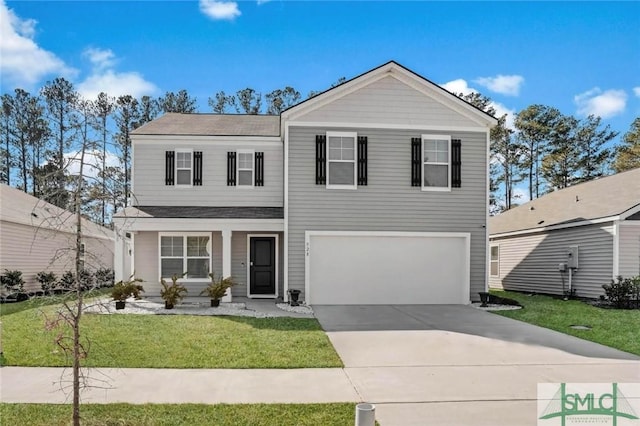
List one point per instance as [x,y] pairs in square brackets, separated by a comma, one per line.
[448,163]
[184,257]
[184,185]
[497,261]
[253,167]
[353,135]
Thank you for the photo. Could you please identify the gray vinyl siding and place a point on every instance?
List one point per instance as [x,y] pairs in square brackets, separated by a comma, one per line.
[387,100]
[529,263]
[388,202]
[149,177]
[31,250]
[629,253]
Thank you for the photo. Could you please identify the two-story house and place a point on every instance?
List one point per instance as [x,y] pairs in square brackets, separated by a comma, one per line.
[373,192]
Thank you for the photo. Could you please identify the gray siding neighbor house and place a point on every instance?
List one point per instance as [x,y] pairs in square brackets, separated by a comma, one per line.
[373,192]
[579,237]
[36,236]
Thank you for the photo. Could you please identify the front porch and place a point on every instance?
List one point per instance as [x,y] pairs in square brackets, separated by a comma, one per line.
[251,251]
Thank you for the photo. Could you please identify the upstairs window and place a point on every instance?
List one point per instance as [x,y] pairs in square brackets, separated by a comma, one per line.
[183,167]
[436,162]
[245,168]
[341,160]
[495,261]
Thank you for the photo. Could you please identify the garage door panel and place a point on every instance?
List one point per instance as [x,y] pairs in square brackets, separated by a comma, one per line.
[379,269]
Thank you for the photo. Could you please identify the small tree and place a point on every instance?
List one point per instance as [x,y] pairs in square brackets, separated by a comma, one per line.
[12,280]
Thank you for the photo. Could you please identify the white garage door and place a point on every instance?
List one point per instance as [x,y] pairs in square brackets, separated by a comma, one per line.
[363,268]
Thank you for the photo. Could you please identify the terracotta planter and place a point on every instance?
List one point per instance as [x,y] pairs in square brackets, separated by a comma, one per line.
[120,304]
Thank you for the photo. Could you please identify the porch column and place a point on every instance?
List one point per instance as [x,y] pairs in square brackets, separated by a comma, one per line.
[226,260]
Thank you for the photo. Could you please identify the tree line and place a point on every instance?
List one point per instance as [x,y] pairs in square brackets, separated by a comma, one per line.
[41,134]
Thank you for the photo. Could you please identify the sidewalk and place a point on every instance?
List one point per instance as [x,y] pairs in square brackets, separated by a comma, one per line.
[176,386]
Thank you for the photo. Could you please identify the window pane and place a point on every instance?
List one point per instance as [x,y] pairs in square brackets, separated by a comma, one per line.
[442,157]
[245,177]
[245,160]
[184,177]
[335,154]
[494,268]
[183,159]
[348,154]
[348,143]
[341,173]
[170,267]
[437,176]
[335,142]
[171,246]
[197,268]
[429,145]
[197,246]
[494,253]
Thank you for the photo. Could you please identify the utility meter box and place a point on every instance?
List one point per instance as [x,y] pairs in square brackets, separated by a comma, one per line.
[562,267]
[572,257]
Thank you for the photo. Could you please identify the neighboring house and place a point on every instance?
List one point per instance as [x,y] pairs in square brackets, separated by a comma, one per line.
[373,192]
[598,222]
[37,236]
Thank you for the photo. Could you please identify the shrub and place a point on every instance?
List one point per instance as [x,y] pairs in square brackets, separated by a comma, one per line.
[12,280]
[174,292]
[67,281]
[125,289]
[86,280]
[619,292]
[104,277]
[47,280]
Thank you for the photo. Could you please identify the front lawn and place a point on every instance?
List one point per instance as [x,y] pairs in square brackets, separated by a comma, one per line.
[183,414]
[171,341]
[611,327]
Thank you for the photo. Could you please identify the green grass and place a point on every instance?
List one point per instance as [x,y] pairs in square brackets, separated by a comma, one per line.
[170,341]
[337,414]
[611,327]
[36,302]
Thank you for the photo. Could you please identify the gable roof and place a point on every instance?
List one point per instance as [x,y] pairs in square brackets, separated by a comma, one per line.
[212,125]
[606,197]
[19,207]
[402,73]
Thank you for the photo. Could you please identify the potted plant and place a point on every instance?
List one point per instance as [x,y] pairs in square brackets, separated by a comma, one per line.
[217,288]
[122,290]
[172,293]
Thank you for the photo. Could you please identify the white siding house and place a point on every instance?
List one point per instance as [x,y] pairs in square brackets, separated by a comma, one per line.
[591,229]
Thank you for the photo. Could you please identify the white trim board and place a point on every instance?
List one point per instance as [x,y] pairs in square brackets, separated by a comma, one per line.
[195,225]
[391,126]
[208,140]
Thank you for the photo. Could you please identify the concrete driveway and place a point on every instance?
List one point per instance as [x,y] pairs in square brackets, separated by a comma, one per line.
[453,364]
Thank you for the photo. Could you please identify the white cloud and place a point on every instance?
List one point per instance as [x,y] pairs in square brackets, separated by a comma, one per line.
[504,84]
[104,78]
[100,58]
[603,104]
[636,91]
[220,10]
[24,63]
[461,86]
[261,2]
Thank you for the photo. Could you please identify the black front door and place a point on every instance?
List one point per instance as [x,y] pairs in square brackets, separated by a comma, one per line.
[262,258]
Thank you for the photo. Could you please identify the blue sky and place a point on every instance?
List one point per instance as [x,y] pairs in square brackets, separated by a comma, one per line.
[579,57]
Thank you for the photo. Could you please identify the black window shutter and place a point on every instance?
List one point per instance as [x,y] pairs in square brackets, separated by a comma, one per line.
[197,168]
[416,160]
[259,172]
[231,168]
[169,167]
[321,163]
[456,163]
[362,160]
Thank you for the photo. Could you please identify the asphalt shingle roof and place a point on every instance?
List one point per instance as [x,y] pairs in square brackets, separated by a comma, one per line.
[212,125]
[196,212]
[604,197]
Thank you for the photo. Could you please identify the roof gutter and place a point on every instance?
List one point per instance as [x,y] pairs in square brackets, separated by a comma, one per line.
[555,227]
